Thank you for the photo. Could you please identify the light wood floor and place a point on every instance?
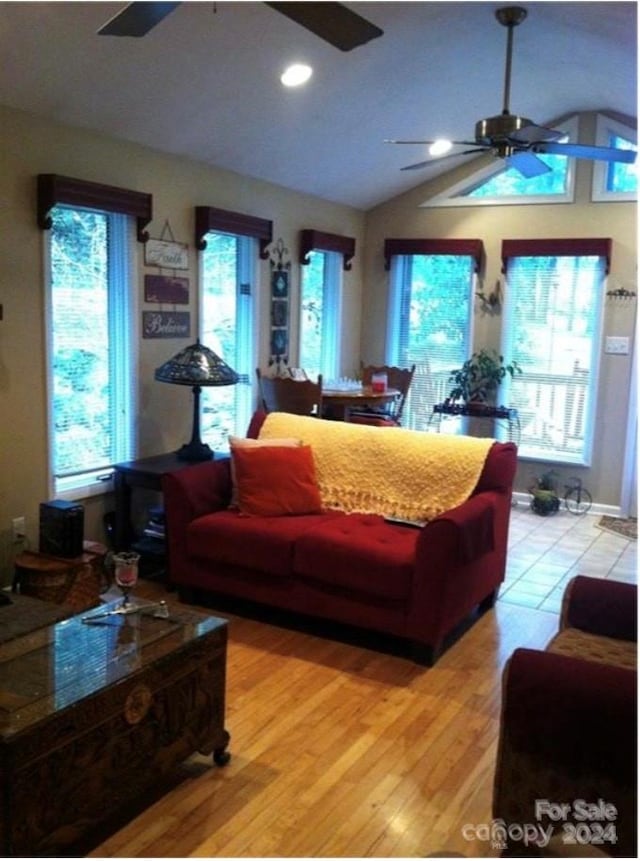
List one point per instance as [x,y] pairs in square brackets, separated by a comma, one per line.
[342,751]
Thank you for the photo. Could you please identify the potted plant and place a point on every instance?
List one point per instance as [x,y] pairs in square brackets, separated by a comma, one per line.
[478,379]
[545,500]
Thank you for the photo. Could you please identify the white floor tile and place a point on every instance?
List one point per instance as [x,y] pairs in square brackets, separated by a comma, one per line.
[546,552]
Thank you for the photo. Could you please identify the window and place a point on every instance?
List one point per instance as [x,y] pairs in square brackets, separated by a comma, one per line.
[90,299]
[323,257]
[616,180]
[90,373]
[320,315]
[498,184]
[227,328]
[552,328]
[230,243]
[511,183]
[430,317]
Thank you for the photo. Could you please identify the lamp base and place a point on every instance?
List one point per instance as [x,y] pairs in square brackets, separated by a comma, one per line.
[195,451]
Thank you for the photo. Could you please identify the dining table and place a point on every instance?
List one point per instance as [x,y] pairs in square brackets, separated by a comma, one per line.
[338,403]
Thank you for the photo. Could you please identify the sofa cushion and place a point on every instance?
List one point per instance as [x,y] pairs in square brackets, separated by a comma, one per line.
[362,552]
[276,481]
[264,544]
[592,647]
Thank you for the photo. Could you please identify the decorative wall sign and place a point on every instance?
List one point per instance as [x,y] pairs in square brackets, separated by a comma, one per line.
[166,288]
[166,324]
[279,341]
[166,255]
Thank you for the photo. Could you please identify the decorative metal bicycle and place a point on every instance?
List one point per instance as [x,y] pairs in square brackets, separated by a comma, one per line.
[577,498]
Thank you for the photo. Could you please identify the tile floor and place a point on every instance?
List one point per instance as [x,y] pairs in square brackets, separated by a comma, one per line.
[546,552]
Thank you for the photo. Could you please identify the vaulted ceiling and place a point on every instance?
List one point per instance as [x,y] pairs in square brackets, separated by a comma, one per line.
[204,83]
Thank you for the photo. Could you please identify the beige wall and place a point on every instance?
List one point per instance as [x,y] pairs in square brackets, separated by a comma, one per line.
[29,146]
[402,217]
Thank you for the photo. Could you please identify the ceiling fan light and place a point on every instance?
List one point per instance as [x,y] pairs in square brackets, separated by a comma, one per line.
[440,147]
[296,74]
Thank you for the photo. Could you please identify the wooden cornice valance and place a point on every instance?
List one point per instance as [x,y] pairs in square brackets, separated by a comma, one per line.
[316,240]
[209,218]
[462,247]
[54,189]
[589,247]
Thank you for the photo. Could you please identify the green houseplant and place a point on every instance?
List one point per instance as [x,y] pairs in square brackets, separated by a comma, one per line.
[478,379]
[545,500]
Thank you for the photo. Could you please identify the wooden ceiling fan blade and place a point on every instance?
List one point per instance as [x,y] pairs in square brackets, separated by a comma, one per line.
[137,19]
[332,22]
[601,153]
[527,163]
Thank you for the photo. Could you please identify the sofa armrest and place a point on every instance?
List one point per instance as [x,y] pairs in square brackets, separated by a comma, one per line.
[567,733]
[603,607]
[459,563]
[189,493]
[468,529]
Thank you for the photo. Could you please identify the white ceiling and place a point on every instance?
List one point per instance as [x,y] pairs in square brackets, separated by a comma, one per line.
[205,82]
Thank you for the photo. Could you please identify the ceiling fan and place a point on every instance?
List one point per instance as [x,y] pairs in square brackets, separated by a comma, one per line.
[333,22]
[516,139]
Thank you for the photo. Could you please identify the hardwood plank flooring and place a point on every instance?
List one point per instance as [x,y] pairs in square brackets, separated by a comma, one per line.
[339,750]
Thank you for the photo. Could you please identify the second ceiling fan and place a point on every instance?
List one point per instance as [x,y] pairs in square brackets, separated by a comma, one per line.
[518,140]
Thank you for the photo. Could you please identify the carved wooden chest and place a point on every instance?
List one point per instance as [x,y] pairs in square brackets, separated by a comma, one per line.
[92,714]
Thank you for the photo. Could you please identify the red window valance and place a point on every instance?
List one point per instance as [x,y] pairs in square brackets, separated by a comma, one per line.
[590,247]
[54,189]
[462,247]
[210,218]
[316,240]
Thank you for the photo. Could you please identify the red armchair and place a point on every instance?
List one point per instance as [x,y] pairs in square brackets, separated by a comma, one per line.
[568,735]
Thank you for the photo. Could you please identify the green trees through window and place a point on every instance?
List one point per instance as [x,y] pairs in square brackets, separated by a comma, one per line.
[90,357]
[227,328]
[552,326]
[430,325]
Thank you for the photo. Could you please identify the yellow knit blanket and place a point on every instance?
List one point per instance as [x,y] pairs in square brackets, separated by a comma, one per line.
[390,471]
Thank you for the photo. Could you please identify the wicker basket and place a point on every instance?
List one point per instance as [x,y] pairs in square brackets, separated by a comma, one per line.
[76,582]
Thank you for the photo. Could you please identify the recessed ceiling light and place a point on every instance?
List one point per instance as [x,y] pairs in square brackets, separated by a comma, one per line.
[296,74]
[440,147]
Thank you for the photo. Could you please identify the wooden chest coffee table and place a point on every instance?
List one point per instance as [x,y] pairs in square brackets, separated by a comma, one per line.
[92,715]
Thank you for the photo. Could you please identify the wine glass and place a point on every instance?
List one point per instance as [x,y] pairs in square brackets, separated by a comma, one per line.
[126,573]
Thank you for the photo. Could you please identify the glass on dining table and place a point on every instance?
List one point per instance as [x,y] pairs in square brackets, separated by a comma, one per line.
[379,382]
[343,384]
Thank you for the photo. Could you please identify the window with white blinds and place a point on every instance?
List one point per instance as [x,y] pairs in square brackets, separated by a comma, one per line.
[90,334]
[231,243]
[227,327]
[320,315]
[429,322]
[552,328]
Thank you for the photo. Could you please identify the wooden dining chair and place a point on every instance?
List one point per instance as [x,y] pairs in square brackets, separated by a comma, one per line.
[286,395]
[390,414]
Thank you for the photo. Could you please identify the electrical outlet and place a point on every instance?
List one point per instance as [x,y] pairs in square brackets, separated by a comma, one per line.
[19,529]
[616,345]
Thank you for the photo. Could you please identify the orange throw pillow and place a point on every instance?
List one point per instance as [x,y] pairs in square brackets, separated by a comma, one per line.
[276,481]
[236,442]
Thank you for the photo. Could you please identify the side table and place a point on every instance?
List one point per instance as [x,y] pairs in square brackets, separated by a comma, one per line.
[505,415]
[146,473]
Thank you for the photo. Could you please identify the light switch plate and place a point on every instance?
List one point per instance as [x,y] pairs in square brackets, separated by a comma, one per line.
[617,345]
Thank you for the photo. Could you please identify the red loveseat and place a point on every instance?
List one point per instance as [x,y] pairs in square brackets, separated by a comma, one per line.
[356,569]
